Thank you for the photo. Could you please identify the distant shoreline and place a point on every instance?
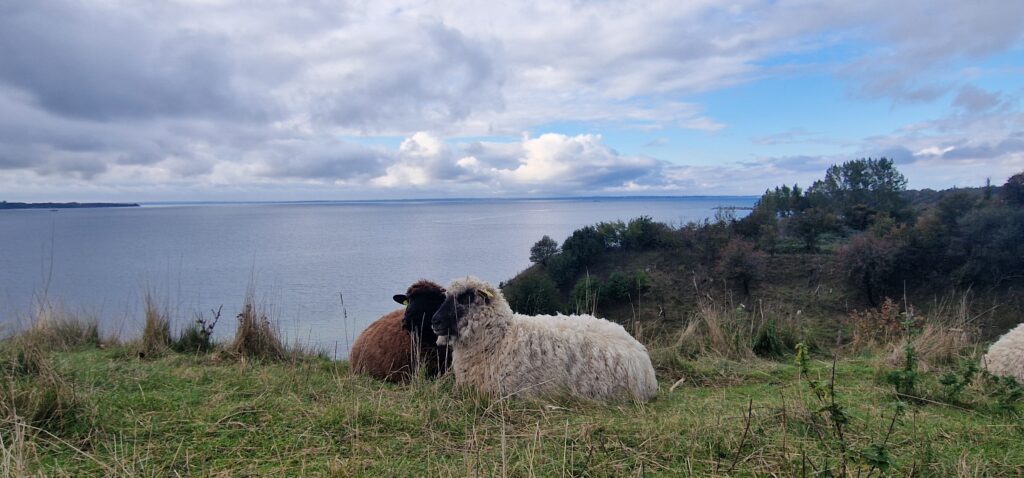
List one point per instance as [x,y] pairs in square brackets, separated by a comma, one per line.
[61,205]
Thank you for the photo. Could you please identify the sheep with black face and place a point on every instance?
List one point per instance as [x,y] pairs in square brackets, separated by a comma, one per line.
[500,353]
[397,344]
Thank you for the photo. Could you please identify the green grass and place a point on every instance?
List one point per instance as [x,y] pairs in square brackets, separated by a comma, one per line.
[210,415]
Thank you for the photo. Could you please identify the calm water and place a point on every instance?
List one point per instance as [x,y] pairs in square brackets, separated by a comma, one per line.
[297,257]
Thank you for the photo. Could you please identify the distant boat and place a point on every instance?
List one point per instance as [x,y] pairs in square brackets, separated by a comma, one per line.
[54,210]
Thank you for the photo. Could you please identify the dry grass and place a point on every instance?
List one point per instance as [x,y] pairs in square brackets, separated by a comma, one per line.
[54,329]
[719,329]
[156,336]
[255,337]
[942,338]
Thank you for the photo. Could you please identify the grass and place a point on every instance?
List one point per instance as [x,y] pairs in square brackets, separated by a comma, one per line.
[733,402]
[203,415]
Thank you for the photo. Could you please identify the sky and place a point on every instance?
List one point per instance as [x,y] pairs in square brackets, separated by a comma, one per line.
[209,100]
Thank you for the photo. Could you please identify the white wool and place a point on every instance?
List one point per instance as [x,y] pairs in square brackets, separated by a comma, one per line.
[1005,357]
[501,353]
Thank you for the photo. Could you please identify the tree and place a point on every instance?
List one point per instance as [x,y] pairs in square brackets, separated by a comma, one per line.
[868,184]
[741,264]
[868,263]
[811,224]
[543,250]
[1013,190]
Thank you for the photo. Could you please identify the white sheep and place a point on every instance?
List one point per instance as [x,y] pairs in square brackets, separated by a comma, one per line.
[1005,358]
[502,354]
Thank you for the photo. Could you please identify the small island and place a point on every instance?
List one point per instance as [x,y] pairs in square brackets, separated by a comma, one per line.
[61,205]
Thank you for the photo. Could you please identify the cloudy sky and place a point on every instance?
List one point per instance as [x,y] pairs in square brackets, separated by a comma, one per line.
[315,99]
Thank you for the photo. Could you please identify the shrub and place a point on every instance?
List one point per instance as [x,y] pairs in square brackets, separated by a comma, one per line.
[642,233]
[741,264]
[621,287]
[811,225]
[197,337]
[868,264]
[532,294]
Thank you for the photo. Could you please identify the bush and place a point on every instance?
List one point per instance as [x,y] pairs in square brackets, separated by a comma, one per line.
[868,263]
[642,233]
[532,294]
[741,264]
[583,246]
[620,287]
[811,225]
[197,337]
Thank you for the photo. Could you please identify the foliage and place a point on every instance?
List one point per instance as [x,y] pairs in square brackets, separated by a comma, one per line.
[622,287]
[741,264]
[197,337]
[532,294]
[868,263]
[857,189]
[906,379]
[1013,190]
[543,250]
[811,225]
[955,382]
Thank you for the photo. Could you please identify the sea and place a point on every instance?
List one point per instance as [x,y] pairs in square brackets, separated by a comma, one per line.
[324,270]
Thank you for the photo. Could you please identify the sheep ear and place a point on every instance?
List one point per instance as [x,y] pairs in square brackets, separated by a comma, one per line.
[401,299]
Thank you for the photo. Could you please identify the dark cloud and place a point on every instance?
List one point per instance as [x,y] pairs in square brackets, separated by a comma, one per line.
[1010,145]
[974,100]
[99,62]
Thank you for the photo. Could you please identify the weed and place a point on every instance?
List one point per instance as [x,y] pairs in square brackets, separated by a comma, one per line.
[197,337]
[254,337]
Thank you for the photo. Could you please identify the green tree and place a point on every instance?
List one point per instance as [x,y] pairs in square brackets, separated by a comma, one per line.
[872,185]
[811,224]
[1013,190]
[543,250]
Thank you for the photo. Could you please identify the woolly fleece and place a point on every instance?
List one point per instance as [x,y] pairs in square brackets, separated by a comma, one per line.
[500,353]
[1005,357]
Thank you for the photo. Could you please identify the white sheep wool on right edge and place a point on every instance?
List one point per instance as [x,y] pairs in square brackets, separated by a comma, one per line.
[1005,358]
[501,353]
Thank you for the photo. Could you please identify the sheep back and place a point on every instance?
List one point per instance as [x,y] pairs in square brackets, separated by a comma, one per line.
[382,351]
[1005,357]
[580,356]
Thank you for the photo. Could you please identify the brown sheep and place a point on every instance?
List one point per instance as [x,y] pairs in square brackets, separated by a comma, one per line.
[391,348]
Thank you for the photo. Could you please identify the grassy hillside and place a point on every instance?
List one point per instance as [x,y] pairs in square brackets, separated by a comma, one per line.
[72,405]
[199,415]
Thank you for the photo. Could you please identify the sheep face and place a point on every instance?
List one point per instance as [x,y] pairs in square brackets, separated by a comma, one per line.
[420,306]
[451,318]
